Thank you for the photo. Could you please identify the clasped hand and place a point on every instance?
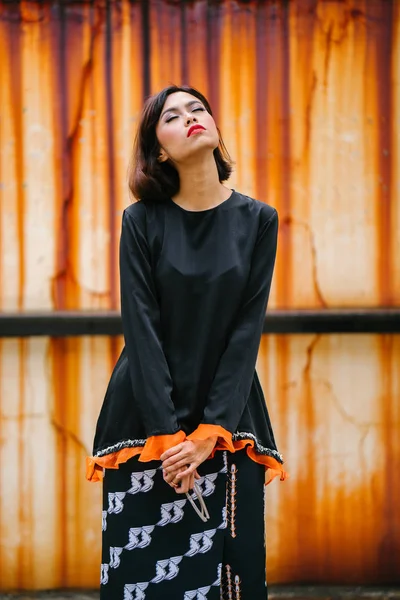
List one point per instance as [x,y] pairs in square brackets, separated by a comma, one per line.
[180,462]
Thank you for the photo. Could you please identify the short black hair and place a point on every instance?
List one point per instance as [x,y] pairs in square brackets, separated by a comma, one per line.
[150,179]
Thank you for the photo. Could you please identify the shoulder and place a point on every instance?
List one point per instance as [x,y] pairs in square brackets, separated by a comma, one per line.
[261,211]
[135,212]
[145,212]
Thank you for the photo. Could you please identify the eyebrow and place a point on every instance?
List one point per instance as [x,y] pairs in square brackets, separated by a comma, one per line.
[176,108]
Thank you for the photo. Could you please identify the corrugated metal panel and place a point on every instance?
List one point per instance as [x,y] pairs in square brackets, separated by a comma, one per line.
[306,94]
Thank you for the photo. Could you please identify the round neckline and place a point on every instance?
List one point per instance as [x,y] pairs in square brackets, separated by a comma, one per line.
[206,210]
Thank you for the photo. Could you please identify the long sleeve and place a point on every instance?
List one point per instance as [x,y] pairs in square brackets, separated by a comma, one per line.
[148,368]
[232,382]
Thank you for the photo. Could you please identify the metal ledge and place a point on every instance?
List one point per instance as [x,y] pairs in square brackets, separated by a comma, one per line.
[69,323]
[275,592]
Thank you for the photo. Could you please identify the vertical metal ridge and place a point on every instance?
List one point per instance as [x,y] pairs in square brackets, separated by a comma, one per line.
[14,44]
[146,69]
[285,208]
[384,89]
[261,103]
[111,157]
[184,47]
[213,59]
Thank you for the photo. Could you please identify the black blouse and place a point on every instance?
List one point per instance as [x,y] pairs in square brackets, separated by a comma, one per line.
[194,290]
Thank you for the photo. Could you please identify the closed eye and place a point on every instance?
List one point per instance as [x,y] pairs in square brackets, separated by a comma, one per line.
[171,119]
[196,109]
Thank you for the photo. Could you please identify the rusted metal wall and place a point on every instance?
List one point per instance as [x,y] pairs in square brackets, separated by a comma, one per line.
[307,96]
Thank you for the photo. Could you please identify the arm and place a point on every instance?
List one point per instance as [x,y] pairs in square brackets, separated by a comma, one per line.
[149,372]
[232,382]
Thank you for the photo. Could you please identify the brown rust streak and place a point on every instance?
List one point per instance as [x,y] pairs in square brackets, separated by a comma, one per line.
[14,44]
[64,372]
[64,275]
[213,57]
[389,547]
[16,76]
[111,157]
[261,103]
[313,248]
[283,283]
[65,368]
[20,467]
[384,90]
[308,492]
[58,350]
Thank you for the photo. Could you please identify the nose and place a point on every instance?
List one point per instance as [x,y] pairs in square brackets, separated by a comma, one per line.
[190,119]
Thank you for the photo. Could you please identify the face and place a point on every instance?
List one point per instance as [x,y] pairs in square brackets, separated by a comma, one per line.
[185,129]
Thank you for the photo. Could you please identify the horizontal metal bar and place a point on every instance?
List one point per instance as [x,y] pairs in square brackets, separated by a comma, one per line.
[333,321]
[69,323]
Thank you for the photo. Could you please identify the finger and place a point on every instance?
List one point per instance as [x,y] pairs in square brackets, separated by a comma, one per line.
[179,466]
[191,484]
[171,451]
[174,460]
[184,487]
[169,476]
[196,475]
[188,471]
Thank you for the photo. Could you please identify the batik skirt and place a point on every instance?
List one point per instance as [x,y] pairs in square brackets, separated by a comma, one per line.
[156,547]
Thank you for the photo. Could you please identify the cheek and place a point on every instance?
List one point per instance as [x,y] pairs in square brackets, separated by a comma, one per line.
[211,126]
[167,136]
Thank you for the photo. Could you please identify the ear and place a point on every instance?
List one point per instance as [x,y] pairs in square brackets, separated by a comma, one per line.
[162,156]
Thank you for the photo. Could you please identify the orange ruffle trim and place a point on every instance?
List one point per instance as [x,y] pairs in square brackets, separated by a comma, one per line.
[156,445]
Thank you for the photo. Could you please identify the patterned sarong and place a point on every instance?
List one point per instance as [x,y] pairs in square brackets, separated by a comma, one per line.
[155,546]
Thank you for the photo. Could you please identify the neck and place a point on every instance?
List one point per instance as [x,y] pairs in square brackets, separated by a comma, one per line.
[200,187]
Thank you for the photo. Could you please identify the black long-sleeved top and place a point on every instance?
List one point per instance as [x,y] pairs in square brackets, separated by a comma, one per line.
[194,290]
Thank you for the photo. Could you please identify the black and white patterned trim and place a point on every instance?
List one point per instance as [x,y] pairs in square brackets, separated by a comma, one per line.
[244,435]
[120,446]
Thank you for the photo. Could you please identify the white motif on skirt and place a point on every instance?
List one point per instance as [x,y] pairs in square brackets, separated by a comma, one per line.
[201,593]
[206,485]
[171,512]
[140,482]
[115,502]
[201,542]
[115,554]
[140,537]
[104,520]
[224,523]
[104,574]
[137,588]
[166,569]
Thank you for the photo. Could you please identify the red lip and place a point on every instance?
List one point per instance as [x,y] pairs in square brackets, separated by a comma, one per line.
[195,128]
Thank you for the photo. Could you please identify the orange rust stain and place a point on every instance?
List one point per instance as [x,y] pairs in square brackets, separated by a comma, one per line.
[21,512]
[336,518]
[383,46]
[58,352]
[389,543]
[15,56]
[333,530]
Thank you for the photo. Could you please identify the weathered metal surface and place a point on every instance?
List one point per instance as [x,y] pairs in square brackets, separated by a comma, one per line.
[306,94]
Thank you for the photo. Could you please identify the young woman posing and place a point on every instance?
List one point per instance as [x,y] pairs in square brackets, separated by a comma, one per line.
[184,423]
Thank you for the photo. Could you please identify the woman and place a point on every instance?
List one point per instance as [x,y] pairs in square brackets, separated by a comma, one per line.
[184,410]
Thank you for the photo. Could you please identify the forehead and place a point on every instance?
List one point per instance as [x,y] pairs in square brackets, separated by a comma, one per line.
[179,100]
